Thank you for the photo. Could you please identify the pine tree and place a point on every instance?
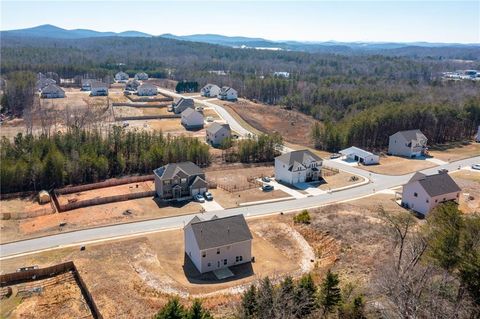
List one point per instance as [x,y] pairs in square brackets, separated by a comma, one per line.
[305,296]
[197,311]
[172,310]
[330,295]
[249,303]
[265,299]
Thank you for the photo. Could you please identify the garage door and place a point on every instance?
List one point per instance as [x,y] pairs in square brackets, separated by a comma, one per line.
[196,191]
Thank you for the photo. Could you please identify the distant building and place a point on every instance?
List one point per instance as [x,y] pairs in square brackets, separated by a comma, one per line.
[98,88]
[132,85]
[44,82]
[182,104]
[179,181]
[228,94]
[52,91]
[216,133]
[141,76]
[210,90]
[121,77]
[147,89]
[410,143]
[361,156]
[192,119]
[423,192]
[218,243]
[86,84]
[281,74]
[298,167]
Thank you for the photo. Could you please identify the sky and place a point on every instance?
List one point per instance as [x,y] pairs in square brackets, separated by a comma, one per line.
[372,21]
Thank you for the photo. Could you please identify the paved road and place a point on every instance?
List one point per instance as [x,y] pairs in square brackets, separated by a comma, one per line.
[378,182]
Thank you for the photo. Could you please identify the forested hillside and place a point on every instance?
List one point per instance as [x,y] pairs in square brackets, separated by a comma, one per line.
[361,98]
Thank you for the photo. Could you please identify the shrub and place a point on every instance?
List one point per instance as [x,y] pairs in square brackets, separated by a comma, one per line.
[302,218]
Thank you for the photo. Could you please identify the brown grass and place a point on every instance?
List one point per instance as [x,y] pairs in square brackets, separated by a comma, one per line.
[394,165]
[455,151]
[469,182]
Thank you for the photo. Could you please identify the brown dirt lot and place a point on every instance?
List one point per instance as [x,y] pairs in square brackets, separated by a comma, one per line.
[60,298]
[212,113]
[108,191]
[17,205]
[292,125]
[341,179]
[395,165]
[148,269]
[469,182]
[238,176]
[107,214]
[229,200]
[454,151]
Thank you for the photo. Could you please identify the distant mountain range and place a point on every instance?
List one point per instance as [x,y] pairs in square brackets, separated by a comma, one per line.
[51,31]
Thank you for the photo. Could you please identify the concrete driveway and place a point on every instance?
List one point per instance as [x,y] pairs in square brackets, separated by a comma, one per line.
[211,205]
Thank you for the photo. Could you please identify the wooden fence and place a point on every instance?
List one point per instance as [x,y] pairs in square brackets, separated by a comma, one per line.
[135,104]
[136,98]
[49,272]
[16,195]
[252,182]
[147,117]
[107,183]
[329,171]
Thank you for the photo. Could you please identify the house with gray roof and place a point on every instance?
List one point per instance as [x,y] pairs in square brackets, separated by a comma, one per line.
[147,89]
[43,83]
[182,104]
[86,84]
[210,90]
[179,181]
[423,192]
[141,76]
[218,243]
[228,94]
[216,133]
[98,88]
[192,119]
[300,166]
[52,91]
[132,85]
[121,77]
[411,143]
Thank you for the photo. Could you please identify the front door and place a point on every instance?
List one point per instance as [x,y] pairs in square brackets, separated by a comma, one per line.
[177,192]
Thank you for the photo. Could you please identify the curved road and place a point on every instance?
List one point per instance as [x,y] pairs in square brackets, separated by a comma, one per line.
[377,183]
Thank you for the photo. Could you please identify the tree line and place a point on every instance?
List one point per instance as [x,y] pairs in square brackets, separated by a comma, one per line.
[253,149]
[85,156]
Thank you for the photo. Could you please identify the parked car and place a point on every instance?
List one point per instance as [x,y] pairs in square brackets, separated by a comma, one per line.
[476,166]
[267,188]
[266,179]
[335,155]
[199,198]
[208,196]
[125,124]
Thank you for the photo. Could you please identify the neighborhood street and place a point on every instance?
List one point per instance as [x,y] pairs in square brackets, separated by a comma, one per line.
[378,183]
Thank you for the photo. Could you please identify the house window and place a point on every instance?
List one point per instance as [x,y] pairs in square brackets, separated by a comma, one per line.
[427,201]
[415,194]
[238,258]
[218,251]
[436,200]
[204,254]
[224,261]
[209,264]
[166,182]
[184,180]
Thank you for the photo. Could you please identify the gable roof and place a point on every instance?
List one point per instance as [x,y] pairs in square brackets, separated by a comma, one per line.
[209,86]
[412,135]
[147,86]
[355,150]
[436,184]
[170,170]
[188,112]
[198,182]
[215,127]
[52,88]
[98,84]
[184,101]
[218,232]
[297,157]
[225,90]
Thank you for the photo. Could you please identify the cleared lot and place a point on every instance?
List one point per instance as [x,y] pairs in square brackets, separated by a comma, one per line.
[455,151]
[394,165]
[469,182]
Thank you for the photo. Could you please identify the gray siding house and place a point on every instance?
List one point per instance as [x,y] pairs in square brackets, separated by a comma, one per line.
[192,119]
[182,104]
[218,243]
[43,83]
[121,77]
[86,84]
[141,76]
[410,143]
[132,85]
[423,192]
[52,91]
[98,88]
[216,133]
[147,89]
[179,181]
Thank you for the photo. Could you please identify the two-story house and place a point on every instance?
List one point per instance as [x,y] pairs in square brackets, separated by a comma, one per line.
[216,133]
[228,94]
[210,90]
[121,77]
[179,181]
[410,143]
[218,243]
[423,192]
[298,167]
[182,104]
[98,88]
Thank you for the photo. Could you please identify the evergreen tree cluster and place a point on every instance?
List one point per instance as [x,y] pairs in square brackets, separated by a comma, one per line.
[81,156]
[175,310]
[262,148]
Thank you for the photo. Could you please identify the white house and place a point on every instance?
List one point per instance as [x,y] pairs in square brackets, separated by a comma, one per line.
[132,85]
[210,90]
[216,133]
[141,76]
[121,77]
[282,74]
[410,143]
[298,167]
[86,84]
[52,91]
[192,119]
[423,192]
[98,88]
[147,89]
[361,156]
[477,137]
[218,243]
[182,104]
[227,93]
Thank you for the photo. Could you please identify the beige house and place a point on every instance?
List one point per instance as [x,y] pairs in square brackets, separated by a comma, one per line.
[410,143]
[216,133]
[423,192]
[218,243]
